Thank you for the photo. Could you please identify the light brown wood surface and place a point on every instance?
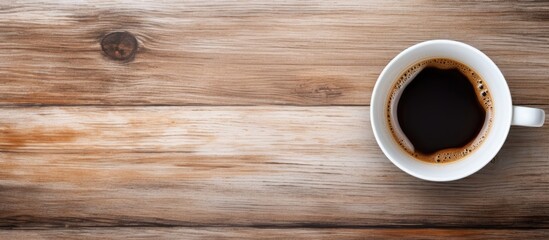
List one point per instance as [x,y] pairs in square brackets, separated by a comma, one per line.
[252,52]
[265,233]
[249,119]
[245,166]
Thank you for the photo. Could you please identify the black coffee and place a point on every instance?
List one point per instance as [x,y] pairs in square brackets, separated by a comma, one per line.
[439,110]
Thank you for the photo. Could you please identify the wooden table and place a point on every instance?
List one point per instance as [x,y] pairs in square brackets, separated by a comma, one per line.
[248,119]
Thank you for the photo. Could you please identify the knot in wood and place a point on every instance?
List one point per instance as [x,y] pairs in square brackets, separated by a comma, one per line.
[120,46]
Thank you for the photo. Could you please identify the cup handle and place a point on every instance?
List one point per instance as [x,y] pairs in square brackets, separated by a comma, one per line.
[527,116]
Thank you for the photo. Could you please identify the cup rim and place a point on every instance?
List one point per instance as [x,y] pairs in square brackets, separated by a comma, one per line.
[379,127]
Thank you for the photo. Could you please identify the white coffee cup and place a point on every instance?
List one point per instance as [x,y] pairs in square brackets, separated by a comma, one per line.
[504,113]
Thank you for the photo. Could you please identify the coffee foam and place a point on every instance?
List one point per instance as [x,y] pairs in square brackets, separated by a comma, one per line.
[444,155]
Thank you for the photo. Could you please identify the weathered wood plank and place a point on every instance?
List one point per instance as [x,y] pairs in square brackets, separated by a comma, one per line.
[251,52]
[245,166]
[247,233]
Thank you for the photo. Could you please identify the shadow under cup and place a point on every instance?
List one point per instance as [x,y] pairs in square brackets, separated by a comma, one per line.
[501,110]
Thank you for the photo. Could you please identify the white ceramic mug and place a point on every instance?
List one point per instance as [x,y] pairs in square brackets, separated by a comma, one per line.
[505,114]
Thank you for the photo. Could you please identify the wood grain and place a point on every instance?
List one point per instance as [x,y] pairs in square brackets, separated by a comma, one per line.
[155,147]
[251,52]
[247,233]
[270,166]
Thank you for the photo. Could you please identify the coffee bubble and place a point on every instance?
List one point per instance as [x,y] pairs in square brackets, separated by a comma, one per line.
[449,154]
